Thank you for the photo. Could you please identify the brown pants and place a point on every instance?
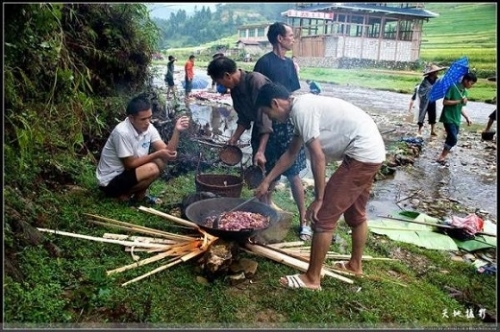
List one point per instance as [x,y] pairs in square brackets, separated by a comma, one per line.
[347,192]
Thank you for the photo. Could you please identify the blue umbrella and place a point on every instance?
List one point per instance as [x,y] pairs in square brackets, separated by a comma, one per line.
[198,83]
[452,77]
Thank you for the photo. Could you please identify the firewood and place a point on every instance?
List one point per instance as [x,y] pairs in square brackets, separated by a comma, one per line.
[290,261]
[175,250]
[169,217]
[286,244]
[166,266]
[100,239]
[139,228]
[138,238]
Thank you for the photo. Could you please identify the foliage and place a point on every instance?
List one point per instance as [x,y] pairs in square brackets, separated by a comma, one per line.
[181,30]
[62,63]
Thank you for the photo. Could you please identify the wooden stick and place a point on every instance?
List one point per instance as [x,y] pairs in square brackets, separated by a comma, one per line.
[137,227]
[166,235]
[286,244]
[100,239]
[290,261]
[176,251]
[334,255]
[166,266]
[142,262]
[170,217]
[138,238]
[147,250]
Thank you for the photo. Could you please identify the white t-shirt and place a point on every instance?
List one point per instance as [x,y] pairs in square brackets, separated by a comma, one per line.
[341,127]
[123,142]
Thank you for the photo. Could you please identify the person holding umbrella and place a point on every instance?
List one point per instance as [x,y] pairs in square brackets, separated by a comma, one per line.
[451,116]
[425,105]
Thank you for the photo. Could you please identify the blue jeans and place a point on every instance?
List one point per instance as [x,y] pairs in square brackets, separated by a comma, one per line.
[451,135]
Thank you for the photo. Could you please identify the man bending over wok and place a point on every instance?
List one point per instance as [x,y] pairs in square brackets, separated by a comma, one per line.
[331,129]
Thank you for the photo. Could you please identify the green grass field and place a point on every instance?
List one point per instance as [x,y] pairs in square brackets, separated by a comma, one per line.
[468,29]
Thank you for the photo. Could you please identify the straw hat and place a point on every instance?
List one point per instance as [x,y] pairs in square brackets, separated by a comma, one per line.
[433,69]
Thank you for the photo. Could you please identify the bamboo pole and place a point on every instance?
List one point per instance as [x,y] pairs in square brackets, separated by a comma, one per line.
[165,235]
[100,239]
[137,227]
[173,251]
[170,217]
[166,266]
[290,261]
[138,238]
[286,244]
[142,262]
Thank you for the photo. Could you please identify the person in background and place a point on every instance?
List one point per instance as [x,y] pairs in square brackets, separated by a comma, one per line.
[314,87]
[453,109]
[280,69]
[331,129]
[426,106]
[189,75]
[126,167]
[215,56]
[169,76]
[297,67]
[491,118]
[244,88]
[413,98]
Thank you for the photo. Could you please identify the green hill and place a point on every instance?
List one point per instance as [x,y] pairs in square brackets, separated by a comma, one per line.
[468,29]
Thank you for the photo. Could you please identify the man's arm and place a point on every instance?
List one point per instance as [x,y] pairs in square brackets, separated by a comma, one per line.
[286,160]
[318,167]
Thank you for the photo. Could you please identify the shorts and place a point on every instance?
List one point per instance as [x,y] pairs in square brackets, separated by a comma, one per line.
[170,81]
[189,86]
[452,131]
[278,144]
[346,192]
[120,184]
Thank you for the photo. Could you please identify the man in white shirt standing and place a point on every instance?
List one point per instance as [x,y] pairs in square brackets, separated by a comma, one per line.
[126,168]
[331,129]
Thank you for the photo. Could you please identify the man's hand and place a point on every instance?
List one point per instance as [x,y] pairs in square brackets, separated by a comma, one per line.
[260,159]
[464,100]
[262,189]
[312,210]
[232,141]
[167,155]
[182,123]
[469,122]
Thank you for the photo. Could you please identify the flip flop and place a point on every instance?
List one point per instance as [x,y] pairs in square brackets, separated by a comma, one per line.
[305,233]
[488,269]
[294,281]
[341,266]
[152,200]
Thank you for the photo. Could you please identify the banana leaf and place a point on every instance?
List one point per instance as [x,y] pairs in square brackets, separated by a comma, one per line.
[419,235]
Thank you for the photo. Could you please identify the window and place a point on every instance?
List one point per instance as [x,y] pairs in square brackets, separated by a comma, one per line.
[251,32]
[243,33]
[260,32]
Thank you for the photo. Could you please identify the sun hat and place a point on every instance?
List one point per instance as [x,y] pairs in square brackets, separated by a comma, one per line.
[432,69]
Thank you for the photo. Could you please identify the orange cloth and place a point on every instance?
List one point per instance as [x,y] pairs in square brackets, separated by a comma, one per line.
[189,69]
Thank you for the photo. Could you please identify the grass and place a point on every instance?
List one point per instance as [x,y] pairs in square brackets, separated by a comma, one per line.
[74,288]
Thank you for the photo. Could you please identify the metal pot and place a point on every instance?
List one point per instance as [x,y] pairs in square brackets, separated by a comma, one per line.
[488,135]
[230,155]
[199,211]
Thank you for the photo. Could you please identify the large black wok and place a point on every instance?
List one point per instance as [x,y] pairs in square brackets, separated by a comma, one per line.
[198,212]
